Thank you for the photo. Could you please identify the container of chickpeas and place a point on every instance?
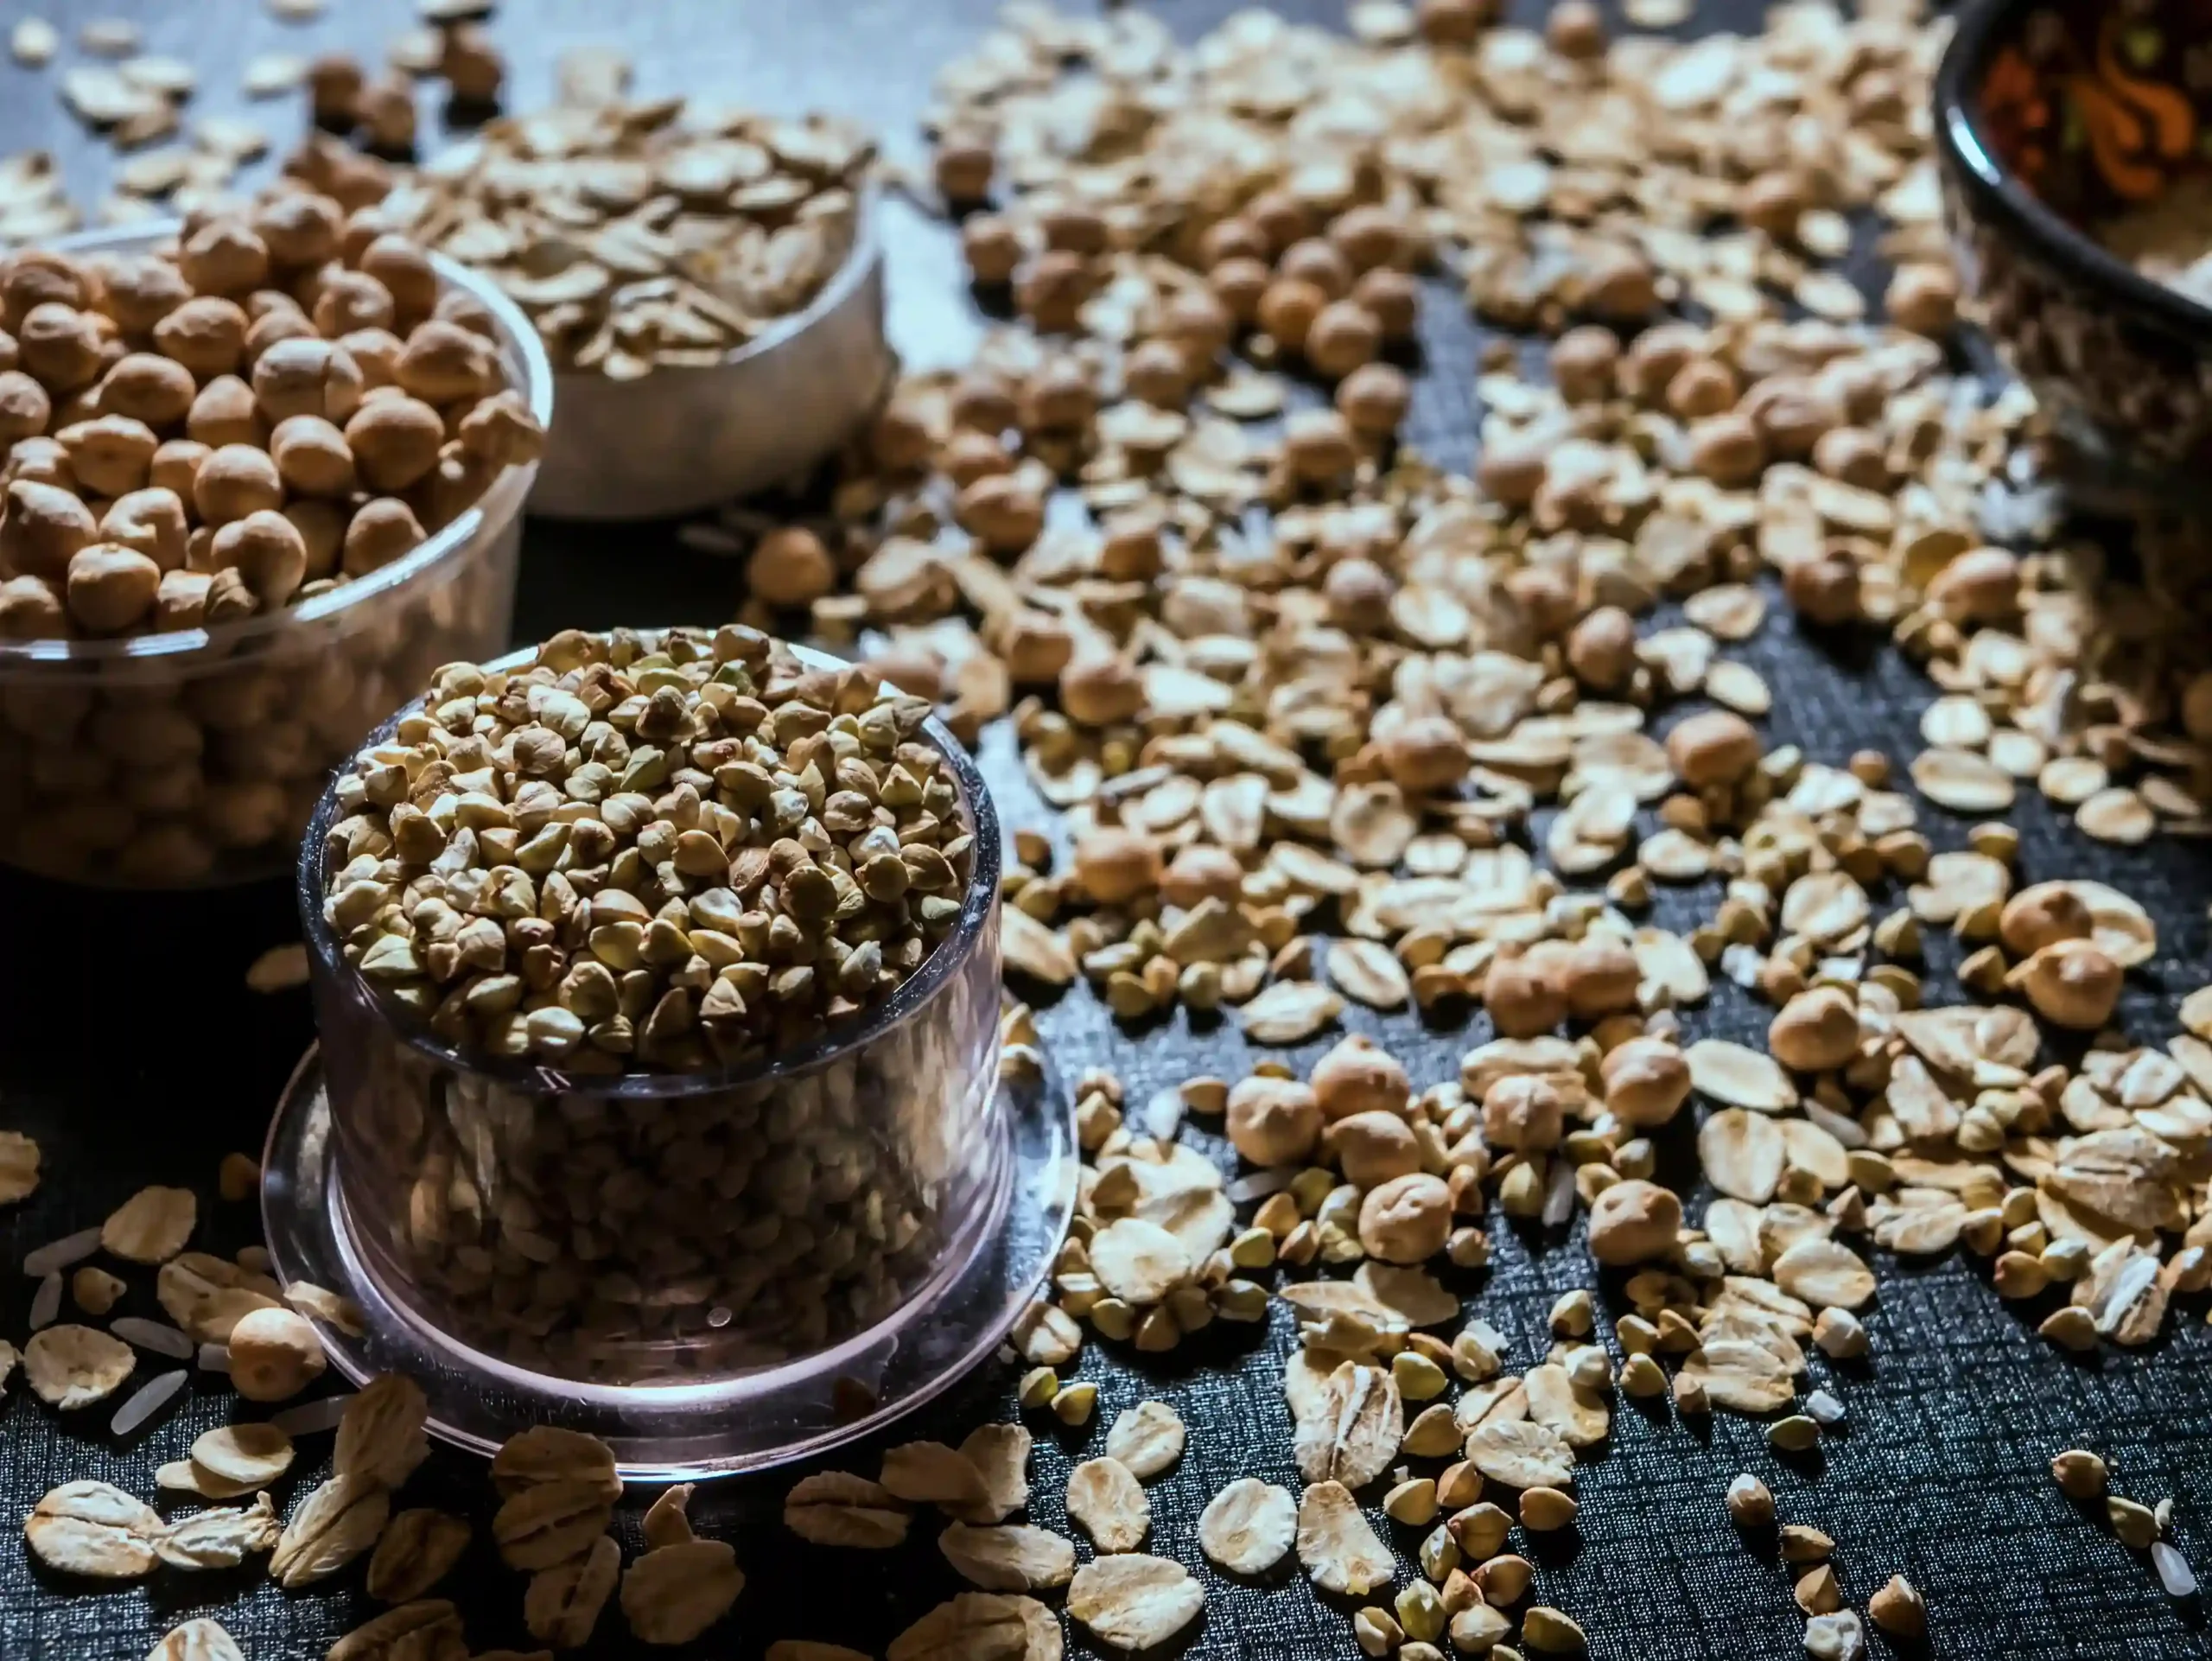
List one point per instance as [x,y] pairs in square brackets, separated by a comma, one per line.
[263,473]
[658,1089]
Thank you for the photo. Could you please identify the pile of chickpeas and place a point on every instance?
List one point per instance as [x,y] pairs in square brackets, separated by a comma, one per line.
[283,401]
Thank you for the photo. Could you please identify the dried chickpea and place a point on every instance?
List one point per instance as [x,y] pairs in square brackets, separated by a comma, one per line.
[335,83]
[181,599]
[1454,22]
[207,334]
[1051,290]
[1374,398]
[1372,1147]
[1316,444]
[1816,1030]
[1343,336]
[1240,284]
[224,413]
[1511,470]
[1702,386]
[1599,976]
[346,300]
[1620,286]
[1099,687]
[223,256]
[275,1355]
[1522,999]
[375,353]
[2035,917]
[1824,589]
[147,387]
[1004,511]
[470,65]
[30,610]
[175,465]
[109,453]
[789,567]
[1407,1219]
[138,290]
[969,455]
[502,430]
[992,247]
[1524,1111]
[1714,746]
[1076,226]
[403,269]
[41,529]
[1575,28]
[1281,217]
[1633,1222]
[381,530]
[1368,235]
[1584,361]
[32,278]
[1200,872]
[1425,755]
[1200,326]
[1116,864]
[1316,264]
[1726,448]
[1128,547]
[2071,982]
[1159,373]
[1358,1075]
[267,550]
[443,363]
[1358,592]
[235,480]
[61,345]
[274,324]
[151,522]
[25,408]
[1273,1121]
[1287,311]
[1981,585]
[321,525]
[1646,1081]
[1392,297]
[386,112]
[298,227]
[394,441]
[110,589]
[962,168]
[312,456]
[1923,299]
[1854,455]
[1601,649]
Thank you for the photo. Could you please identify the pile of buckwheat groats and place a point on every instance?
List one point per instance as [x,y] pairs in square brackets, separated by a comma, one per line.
[1329,723]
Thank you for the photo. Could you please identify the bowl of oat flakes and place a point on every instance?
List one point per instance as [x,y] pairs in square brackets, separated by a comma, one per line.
[263,473]
[707,281]
[657,977]
[2073,141]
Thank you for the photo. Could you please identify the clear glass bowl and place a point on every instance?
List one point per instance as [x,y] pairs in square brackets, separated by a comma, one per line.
[194,757]
[713,1269]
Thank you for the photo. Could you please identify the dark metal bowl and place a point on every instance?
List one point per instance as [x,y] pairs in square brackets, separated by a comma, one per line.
[2121,363]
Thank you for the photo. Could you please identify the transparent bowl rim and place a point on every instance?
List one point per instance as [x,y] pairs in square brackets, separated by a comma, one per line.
[921,989]
[863,255]
[520,337]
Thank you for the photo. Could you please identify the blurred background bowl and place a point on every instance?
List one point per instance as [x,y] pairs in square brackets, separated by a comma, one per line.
[679,440]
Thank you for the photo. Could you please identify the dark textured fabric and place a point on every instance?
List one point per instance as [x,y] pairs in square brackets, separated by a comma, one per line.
[129,1049]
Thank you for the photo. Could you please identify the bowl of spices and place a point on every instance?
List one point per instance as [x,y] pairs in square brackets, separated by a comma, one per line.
[263,473]
[657,975]
[707,281]
[2072,139]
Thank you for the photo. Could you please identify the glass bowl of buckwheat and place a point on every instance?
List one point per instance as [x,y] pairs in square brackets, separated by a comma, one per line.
[657,975]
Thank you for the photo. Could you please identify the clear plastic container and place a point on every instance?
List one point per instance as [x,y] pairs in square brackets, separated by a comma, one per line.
[713,1271]
[194,757]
